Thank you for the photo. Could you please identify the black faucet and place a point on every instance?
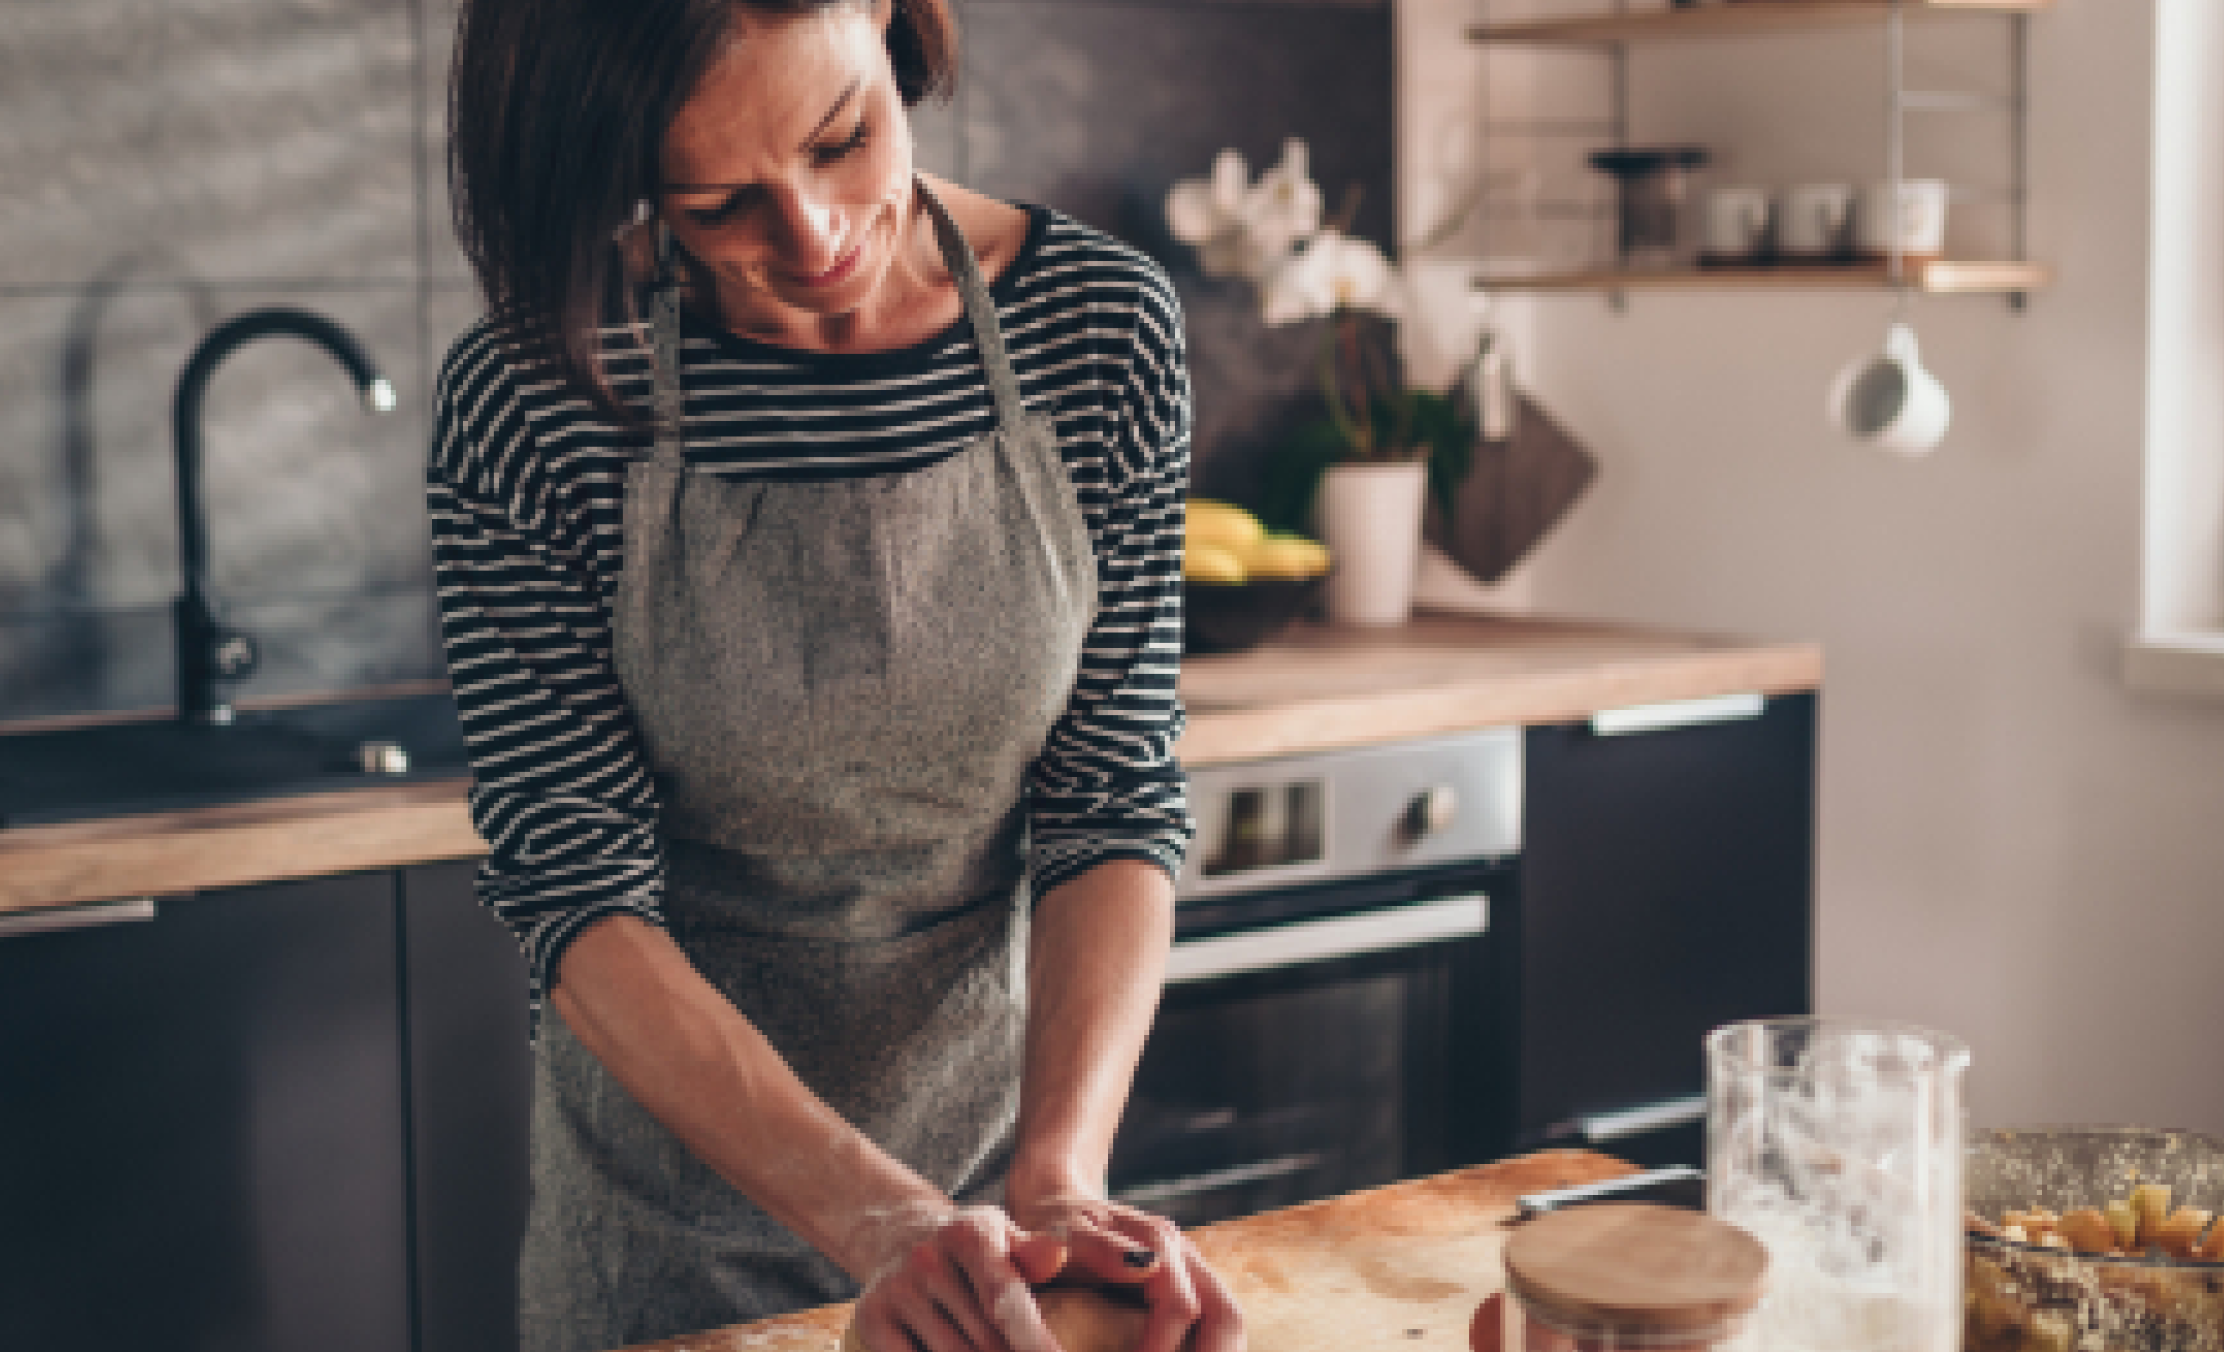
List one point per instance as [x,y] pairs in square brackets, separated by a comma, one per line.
[209,651]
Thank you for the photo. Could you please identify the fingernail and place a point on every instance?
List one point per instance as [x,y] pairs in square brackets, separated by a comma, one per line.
[1139,1258]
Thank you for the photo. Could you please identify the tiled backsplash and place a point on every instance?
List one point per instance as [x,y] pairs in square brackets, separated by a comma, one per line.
[169,163]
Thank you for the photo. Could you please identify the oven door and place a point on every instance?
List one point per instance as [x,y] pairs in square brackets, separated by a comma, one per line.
[1311,1047]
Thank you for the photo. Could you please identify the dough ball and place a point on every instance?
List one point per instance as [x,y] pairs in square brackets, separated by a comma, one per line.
[1086,1320]
[1080,1318]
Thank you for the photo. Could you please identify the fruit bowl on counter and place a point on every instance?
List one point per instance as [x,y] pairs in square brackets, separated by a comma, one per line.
[1241,583]
[2094,1239]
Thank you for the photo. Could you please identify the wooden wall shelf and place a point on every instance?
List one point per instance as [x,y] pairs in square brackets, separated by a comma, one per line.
[1952,278]
[1734,18]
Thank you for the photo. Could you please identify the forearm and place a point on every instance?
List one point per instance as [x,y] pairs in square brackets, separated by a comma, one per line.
[1097,955]
[702,1069]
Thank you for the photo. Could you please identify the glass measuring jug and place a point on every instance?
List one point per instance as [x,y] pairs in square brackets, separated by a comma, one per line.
[1839,1145]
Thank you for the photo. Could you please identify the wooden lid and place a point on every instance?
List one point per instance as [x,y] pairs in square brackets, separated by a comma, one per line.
[1634,1265]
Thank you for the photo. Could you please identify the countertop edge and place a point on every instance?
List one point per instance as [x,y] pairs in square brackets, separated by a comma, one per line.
[1497,700]
[239,845]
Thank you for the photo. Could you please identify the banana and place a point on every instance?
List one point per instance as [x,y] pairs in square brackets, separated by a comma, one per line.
[1224,524]
[1286,556]
[1211,563]
[1227,544]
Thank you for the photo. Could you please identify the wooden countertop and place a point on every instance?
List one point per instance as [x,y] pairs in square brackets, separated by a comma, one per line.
[1320,686]
[1316,688]
[1393,1269]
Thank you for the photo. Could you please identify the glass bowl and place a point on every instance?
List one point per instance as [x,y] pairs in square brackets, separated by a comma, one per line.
[2026,1298]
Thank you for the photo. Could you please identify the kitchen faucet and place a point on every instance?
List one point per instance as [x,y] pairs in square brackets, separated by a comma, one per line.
[208,651]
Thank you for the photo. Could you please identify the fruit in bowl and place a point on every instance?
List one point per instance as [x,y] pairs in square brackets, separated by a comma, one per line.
[1242,583]
[2093,1237]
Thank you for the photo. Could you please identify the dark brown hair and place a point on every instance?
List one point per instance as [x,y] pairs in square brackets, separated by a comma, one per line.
[557,115]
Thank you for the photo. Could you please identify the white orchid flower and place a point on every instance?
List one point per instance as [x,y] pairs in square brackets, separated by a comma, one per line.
[1283,209]
[1197,209]
[1241,228]
[1209,214]
[1333,271]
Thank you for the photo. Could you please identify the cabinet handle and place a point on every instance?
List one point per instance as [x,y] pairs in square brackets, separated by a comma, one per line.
[1345,936]
[1600,1128]
[1678,713]
[53,919]
[1146,1193]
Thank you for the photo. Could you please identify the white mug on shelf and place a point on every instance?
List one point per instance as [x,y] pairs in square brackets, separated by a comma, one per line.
[1889,401]
[1736,226]
[1814,222]
[1916,223]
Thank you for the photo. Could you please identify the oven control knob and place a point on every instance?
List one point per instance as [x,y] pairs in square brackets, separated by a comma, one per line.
[1431,811]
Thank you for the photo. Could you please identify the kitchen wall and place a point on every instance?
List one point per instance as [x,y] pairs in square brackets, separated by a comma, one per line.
[169,163]
[2014,845]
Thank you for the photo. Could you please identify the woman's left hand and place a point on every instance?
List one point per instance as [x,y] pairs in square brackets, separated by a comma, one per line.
[1115,1244]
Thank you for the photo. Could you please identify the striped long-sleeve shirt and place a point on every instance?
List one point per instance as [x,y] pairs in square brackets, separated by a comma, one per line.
[526,486]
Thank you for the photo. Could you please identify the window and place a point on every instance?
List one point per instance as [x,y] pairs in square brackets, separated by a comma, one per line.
[2180,644]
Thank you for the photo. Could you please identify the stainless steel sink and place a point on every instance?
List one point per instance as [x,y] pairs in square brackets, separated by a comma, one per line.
[48,777]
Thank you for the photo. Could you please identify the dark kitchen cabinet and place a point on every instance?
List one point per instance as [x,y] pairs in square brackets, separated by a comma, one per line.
[470,1069]
[201,1126]
[1666,888]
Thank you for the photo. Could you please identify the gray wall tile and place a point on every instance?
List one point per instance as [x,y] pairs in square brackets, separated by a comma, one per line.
[449,311]
[302,486]
[234,141]
[1099,108]
[437,23]
[71,662]
[315,507]
[181,156]
[937,139]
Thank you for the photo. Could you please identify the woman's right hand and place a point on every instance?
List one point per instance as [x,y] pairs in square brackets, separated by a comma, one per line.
[957,1280]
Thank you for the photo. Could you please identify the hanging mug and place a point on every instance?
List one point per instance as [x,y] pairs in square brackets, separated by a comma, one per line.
[1889,401]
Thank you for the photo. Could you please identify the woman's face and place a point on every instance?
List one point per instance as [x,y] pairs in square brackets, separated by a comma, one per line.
[788,170]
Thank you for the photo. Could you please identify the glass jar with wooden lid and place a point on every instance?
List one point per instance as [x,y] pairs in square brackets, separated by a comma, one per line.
[1616,1275]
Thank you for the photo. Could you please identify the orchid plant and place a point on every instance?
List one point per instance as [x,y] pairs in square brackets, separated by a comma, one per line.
[1271,233]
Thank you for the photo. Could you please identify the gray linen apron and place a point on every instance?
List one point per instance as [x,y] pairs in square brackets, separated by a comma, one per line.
[839,685]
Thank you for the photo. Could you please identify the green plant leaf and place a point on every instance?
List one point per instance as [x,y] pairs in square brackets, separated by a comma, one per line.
[1293,473]
[1443,425]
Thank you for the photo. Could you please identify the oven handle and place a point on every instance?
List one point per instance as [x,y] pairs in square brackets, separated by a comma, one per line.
[86,915]
[1344,936]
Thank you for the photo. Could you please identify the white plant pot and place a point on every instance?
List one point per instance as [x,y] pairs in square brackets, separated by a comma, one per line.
[1370,520]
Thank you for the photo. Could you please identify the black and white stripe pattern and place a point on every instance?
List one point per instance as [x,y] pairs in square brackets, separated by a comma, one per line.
[526,486]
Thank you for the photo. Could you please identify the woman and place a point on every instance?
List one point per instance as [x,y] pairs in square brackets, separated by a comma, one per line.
[815,635]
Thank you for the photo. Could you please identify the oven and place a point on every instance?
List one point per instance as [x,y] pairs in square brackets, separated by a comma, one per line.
[1327,1022]
[1397,959]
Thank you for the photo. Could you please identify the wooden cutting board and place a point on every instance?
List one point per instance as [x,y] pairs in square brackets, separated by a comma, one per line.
[1514,493]
[1394,1269]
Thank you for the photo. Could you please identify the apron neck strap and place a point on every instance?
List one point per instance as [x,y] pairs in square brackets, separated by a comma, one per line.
[980,308]
[668,396]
